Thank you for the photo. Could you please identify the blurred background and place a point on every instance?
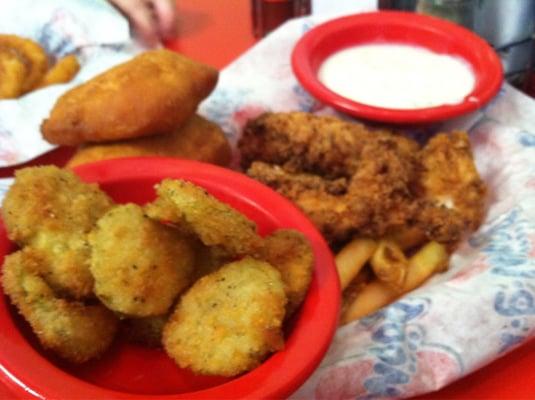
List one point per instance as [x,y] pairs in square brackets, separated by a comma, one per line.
[508,25]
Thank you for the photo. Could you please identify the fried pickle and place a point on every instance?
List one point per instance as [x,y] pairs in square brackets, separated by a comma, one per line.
[151,94]
[199,140]
[53,211]
[139,265]
[290,252]
[228,322]
[73,330]
[214,222]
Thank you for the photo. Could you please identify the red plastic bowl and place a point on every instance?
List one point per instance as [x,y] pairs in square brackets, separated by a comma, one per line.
[396,27]
[130,372]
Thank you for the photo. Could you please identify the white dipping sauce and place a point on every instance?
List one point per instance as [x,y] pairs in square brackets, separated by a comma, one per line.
[397,76]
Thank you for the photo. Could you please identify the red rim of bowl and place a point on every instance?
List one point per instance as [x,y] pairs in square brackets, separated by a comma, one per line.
[402,28]
[28,374]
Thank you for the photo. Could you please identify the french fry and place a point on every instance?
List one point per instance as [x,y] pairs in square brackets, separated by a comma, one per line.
[351,259]
[355,286]
[407,237]
[431,258]
[390,264]
[371,298]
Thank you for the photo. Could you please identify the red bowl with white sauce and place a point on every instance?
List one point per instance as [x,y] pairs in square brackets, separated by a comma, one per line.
[128,371]
[425,34]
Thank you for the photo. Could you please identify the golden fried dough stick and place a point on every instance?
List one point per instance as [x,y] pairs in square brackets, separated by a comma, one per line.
[54,211]
[229,321]
[12,75]
[199,140]
[32,55]
[62,72]
[138,264]
[151,94]
[290,252]
[214,222]
[75,331]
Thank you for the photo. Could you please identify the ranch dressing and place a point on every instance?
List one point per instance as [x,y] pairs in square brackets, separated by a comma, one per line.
[397,76]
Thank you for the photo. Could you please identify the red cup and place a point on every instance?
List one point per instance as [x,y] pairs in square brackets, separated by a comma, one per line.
[435,34]
[130,372]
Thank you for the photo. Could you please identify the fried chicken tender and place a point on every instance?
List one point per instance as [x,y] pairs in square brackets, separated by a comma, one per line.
[12,75]
[31,54]
[199,140]
[228,322]
[453,191]
[63,71]
[371,201]
[352,181]
[214,222]
[290,252]
[53,211]
[151,94]
[303,142]
[139,265]
[73,330]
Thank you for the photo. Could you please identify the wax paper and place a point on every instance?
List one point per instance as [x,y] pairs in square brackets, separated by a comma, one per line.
[459,321]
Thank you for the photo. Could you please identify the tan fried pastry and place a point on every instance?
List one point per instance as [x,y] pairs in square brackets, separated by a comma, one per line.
[199,139]
[151,94]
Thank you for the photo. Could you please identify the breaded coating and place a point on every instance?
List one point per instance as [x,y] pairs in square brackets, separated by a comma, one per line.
[151,94]
[354,181]
[53,211]
[453,192]
[228,322]
[63,71]
[214,222]
[12,75]
[375,199]
[31,54]
[199,139]
[303,142]
[73,330]
[146,331]
[139,265]
[290,252]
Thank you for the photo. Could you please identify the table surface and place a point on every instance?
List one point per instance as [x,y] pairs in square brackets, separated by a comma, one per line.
[216,32]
